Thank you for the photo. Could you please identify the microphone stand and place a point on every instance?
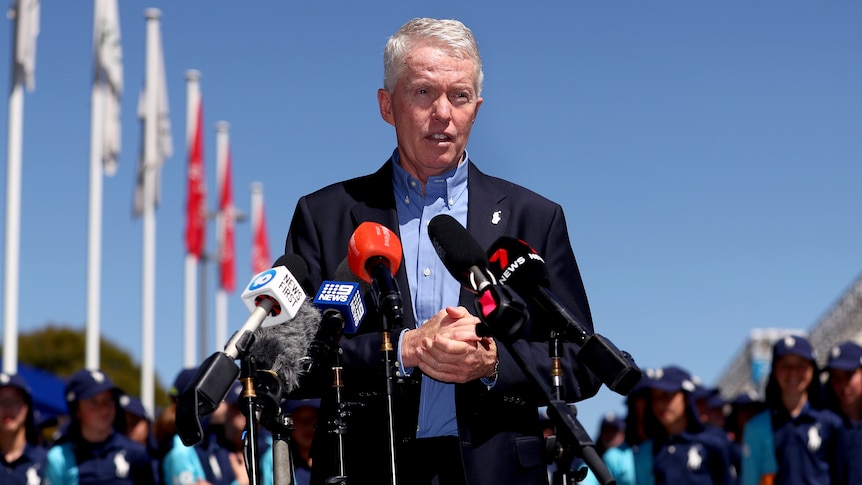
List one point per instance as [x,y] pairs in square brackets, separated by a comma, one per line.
[388,300]
[248,406]
[340,422]
[269,392]
[571,438]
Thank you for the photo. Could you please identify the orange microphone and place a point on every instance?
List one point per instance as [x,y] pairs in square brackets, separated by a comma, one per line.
[374,256]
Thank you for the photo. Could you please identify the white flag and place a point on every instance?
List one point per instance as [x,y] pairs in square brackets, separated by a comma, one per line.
[164,140]
[26,15]
[108,63]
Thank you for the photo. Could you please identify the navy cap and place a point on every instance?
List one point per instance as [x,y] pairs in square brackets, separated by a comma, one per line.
[183,379]
[233,394]
[745,398]
[134,406]
[85,384]
[845,356]
[793,345]
[291,405]
[15,380]
[714,400]
[613,420]
[671,379]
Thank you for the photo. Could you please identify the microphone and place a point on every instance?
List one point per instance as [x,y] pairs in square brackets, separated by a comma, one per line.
[274,296]
[374,255]
[516,264]
[343,309]
[284,348]
[501,311]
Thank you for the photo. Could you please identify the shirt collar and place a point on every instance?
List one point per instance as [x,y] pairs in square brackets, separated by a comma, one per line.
[449,186]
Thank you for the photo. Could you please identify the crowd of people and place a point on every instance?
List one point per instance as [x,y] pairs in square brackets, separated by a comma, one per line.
[108,437]
[805,429]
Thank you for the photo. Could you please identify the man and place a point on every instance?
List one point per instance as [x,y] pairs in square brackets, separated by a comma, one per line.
[844,396]
[466,412]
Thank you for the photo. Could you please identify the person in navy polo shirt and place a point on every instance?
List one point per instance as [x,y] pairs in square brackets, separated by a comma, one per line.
[844,396]
[794,439]
[94,449]
[21,456]
[680,450]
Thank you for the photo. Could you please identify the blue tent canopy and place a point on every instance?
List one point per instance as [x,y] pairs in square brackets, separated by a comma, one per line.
[48,399]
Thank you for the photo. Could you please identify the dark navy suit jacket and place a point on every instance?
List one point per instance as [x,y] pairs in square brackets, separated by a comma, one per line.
[499,430]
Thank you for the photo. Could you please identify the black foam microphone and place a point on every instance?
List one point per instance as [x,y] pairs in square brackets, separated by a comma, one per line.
[517,265]
[284,348]
[501,311]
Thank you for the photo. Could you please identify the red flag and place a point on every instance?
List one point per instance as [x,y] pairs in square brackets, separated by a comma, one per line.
[259,245]
[226,256]
[196,201]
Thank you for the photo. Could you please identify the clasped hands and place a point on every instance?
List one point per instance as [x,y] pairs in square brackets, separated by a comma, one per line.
[447,348]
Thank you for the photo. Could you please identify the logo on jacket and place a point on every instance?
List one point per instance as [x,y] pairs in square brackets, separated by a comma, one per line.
[695,459]
[121,465]
[814,439]
[495,217]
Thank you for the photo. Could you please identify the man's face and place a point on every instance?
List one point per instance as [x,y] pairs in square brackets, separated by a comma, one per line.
[432,108]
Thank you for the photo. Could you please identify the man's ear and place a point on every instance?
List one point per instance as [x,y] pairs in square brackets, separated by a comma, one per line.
[384,99]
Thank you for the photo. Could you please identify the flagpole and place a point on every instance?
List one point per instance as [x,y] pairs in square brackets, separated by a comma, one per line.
[151,167]
[26,17]
[94,247]
[13,229]
[192,263]
[222,147]
[260,259]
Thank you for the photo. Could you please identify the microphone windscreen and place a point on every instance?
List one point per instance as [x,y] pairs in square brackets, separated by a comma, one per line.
[371,240]
[457,248]
[282,348]
[295,264]
[515,263]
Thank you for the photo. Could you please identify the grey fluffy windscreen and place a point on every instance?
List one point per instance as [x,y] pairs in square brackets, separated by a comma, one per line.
[282,347]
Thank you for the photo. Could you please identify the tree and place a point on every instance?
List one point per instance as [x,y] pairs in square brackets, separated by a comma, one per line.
[60,350]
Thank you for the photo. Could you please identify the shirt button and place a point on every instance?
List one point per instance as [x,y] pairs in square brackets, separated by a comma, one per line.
[413,183]
[451,201]
[427,272]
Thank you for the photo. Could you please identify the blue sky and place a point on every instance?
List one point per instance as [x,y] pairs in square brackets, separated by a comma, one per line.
[708,155]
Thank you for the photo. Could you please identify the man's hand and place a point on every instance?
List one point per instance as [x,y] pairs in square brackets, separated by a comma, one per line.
[447,348]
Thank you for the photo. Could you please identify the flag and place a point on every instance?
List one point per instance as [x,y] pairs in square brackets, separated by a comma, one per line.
[164,141]
[196,198]
[26,15]
[108,64]
[226,210]
[259,245]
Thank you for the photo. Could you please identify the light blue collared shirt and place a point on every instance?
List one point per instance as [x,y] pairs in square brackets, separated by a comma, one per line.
[432,288]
